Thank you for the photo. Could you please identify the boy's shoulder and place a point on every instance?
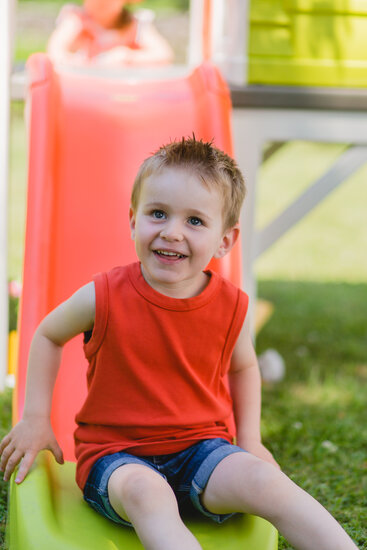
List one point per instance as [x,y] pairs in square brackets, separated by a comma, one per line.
[230,298]
[116,275]
[226,284]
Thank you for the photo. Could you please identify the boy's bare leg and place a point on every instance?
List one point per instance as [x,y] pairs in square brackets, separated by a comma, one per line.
[143,497]
[244,483]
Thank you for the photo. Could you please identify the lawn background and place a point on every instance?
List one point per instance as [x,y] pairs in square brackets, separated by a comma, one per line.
[315,421]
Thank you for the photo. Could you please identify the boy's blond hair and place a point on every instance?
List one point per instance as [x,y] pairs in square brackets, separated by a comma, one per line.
[213,166]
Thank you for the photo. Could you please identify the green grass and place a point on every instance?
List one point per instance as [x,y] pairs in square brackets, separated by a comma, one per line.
[316,277]
[320,330]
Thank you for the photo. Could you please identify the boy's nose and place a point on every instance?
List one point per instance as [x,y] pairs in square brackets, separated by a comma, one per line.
[172,232]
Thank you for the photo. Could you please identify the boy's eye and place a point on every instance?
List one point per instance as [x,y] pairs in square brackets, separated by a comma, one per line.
[193,220]
[158,214]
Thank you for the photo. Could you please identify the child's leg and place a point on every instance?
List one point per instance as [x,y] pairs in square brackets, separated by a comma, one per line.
[140,495]
[244,483]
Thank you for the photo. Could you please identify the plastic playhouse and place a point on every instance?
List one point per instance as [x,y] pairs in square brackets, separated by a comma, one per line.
[285,42]
[87,136]
[308,42]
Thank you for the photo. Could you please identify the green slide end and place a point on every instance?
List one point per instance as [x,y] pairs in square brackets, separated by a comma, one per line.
[47,511]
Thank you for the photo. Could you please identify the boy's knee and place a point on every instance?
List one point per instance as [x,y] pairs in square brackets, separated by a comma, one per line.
[254,479]
[263,474]
[140,486]
[141,489]
[264,487]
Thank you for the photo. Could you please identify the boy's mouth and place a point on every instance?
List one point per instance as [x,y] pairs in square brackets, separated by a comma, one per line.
[169,255]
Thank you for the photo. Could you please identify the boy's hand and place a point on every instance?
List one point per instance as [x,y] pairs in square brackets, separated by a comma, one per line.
[23,443]
[256,448]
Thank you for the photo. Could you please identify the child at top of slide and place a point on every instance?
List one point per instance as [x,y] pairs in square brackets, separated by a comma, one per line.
[105,32]
[162,335]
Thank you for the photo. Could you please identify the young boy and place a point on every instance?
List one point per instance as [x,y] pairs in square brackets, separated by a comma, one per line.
[161,336]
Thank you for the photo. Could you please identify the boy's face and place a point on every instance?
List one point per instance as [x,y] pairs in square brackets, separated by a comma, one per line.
[178,228]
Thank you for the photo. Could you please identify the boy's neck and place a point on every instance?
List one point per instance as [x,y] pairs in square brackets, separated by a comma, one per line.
[181,290]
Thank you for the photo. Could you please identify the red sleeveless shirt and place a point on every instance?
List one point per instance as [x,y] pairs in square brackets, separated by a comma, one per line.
[157,368]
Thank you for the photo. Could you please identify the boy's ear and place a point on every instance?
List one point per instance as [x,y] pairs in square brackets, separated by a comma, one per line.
[228,240]
[132,222]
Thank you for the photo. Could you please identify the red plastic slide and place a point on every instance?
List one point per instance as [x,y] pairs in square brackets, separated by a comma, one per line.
[88,136]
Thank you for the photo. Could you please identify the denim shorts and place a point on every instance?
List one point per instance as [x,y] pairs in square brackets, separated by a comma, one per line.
[187,472]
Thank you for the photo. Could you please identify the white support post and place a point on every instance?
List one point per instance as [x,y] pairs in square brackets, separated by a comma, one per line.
[230,31]
[248,152]
[196,47]
[5,56]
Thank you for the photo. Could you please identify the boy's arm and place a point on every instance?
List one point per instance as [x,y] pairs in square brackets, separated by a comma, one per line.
[34,432]
[245,387]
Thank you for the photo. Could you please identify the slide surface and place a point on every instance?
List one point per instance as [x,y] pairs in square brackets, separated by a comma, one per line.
[49,513]
[87,137]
